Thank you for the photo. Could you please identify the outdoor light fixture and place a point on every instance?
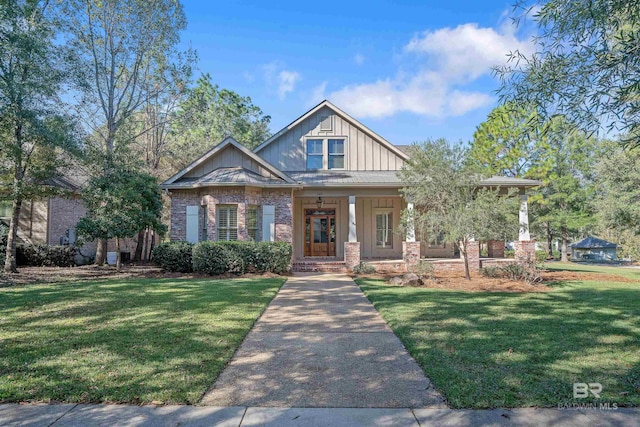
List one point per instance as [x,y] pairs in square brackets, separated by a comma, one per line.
[319,202]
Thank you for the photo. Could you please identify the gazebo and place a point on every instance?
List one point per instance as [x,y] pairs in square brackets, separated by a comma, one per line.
[593,249]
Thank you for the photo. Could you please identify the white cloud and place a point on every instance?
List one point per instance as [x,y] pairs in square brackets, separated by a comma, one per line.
[358,59]
[281,80]
[449,61]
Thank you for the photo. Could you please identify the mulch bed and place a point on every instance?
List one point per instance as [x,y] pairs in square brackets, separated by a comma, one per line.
[27,275]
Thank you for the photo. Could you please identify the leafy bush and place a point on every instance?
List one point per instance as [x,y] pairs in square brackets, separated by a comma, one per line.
[45,255]
[541,256]
[238,254]
[210,258]
[491,271]
[173,256]
[274,257]
[509,253]
[364,268]
[425,269]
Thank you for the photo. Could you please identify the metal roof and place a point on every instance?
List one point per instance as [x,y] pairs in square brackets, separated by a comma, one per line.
[506,181]
[593,243]
[345,178]
[227,176]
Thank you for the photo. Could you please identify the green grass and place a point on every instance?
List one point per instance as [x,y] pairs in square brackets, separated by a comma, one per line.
[485,350]
[130,340]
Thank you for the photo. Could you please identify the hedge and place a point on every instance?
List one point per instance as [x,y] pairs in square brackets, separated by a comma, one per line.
[226,257]
[45,255]
[174,256]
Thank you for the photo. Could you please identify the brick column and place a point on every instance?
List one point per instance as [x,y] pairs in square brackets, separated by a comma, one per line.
[525,250]
[411,254]
[473,255]
[495,248]
[351,254]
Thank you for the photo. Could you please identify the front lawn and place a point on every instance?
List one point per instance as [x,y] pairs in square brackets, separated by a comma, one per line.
[125,340]
[484,350]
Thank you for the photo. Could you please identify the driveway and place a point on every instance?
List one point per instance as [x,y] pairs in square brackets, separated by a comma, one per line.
[321,343]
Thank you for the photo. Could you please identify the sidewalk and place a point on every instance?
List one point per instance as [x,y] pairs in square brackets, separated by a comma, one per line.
[192,416]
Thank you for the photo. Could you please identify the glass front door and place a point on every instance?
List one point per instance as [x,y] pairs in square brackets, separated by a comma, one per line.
[320,232]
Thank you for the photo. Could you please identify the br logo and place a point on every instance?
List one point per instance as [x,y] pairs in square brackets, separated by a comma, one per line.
[581,390]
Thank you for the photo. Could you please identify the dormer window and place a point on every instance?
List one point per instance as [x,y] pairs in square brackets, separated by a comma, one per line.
[326,153]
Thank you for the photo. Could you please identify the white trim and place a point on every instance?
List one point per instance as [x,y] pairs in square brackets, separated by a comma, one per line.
[380,211]
[345,116]
[229,141]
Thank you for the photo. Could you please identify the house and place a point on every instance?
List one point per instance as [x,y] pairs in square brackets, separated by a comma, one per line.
[593,249]
[325,183]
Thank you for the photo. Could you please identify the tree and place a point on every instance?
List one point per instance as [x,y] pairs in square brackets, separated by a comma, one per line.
[35,135]
[208,115]
[122,47]
[586,68]
[447,200]
[118,204]
[564,199]
[618,193]
[506,144]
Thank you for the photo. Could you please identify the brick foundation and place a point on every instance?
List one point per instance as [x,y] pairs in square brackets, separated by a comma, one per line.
[495,249]
[411,254]
[525,250]
[351,254]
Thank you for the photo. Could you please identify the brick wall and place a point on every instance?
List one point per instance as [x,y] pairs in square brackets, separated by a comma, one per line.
[179,202]
[473,255]
[495,248]
[283,203]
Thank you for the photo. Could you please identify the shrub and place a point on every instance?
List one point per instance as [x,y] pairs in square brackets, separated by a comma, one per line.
[45,255]
[274,257]
[210,258]
[173,256]
[491,271]
[425,269]
[509,253]
[364,268]
[541,256]
[527,272]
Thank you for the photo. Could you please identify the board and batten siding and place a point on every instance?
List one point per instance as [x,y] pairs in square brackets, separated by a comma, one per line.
[363,152]
[366,208]
[230,157]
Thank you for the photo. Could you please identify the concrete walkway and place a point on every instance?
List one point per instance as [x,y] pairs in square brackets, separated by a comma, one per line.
[191,416]
[321,343]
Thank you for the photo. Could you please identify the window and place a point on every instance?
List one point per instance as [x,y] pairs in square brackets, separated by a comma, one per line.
[227,223]
[252,223]
[314,154]
[384,230]
[326,123]
[336,154]
[5,208]
[203,232]
[325,154]
[437,241]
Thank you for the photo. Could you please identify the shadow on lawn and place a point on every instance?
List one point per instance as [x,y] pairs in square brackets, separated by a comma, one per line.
[125,341]
[505,349]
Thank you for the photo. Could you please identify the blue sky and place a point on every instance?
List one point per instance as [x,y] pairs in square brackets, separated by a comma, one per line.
[410,70]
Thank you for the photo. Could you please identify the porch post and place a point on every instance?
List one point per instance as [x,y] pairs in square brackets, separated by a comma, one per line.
[524,248]
[410,248]
[524,234]
[352,246]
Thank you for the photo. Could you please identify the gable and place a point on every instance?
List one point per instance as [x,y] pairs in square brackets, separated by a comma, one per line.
[228,157]
[364,150]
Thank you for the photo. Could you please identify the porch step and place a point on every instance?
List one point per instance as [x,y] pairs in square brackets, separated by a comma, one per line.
[320,266]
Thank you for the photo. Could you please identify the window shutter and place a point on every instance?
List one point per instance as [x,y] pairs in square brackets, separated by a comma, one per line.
[192,224]
[268,223]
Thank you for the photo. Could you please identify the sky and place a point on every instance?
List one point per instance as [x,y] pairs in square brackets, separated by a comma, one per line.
[409,70]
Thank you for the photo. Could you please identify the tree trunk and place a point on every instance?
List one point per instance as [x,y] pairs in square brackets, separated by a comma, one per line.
[565,238]
[10,265]
[118,256]
[153,243]
[101,251]
[549,242]
[137,256]
[463,251]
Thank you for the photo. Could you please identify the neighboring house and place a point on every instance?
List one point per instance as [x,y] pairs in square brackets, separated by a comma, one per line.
[325,183]
[593,249]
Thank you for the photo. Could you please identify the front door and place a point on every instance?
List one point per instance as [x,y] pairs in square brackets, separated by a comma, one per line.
[320,232]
